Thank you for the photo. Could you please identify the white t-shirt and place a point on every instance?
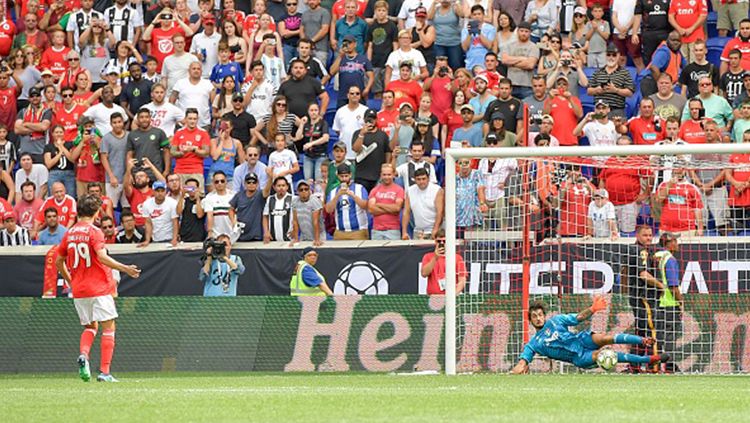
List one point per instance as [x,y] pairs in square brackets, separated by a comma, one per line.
[625,11]
[601,134]
[260,100]
[165,116]
[281,161]
[275,70]
[197,96]
[38,175]
[101,113]
[175,68]
[347,122]
[161,216]
[219,206]
[422,203]
[397,56]
[210,43]
[601,217]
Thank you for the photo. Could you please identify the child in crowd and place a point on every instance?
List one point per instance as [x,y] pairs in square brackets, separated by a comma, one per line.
[602,221]
[283,161]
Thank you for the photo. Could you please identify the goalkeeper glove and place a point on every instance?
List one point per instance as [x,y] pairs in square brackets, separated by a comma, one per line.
[600,303]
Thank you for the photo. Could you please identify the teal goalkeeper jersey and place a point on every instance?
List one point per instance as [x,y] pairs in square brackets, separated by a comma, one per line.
[554,340]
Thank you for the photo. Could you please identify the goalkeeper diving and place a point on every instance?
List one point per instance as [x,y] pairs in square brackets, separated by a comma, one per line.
[553,339]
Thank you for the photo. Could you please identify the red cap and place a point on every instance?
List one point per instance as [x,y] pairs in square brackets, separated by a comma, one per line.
[208,18]
[9,215]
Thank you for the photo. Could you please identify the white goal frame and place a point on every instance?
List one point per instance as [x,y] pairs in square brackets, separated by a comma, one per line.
[452,154]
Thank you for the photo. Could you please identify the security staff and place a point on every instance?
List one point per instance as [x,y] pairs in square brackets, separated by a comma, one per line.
[306,280]
[669,312]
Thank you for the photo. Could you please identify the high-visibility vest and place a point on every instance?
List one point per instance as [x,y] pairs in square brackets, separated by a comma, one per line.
[673,66]
[298,288]
[666,299]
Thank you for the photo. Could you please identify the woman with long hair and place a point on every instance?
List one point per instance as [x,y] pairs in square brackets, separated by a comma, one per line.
[82,95]
[225,151]
[462,82]
[550,54]
[60,158]
[95,44]
[24,71]
[506,32]
[49,97]
[192,20]
[280,121]
[452,119]
[497,127]
[577,36]
[425,111]
[223,102]
[423,134]
[312,140]
[125,54]
[543,16]
[230,34]
[259,35]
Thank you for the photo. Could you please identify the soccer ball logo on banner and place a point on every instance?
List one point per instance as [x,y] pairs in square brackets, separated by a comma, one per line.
[361,278]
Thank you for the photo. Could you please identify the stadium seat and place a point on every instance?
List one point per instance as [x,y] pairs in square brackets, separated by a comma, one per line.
[711,21]
[715,46]
[374,103]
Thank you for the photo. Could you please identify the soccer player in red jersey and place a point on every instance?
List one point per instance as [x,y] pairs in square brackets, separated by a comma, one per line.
[84,264]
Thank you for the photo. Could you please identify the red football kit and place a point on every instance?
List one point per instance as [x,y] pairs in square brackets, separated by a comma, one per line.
[79,246]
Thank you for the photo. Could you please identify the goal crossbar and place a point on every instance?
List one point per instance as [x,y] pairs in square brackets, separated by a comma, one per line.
[452,154]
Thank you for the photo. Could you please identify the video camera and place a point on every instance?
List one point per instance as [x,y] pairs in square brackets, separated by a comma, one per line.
[218,248]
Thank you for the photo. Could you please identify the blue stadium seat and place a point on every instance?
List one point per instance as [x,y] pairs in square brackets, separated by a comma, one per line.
[715,46]
[329,115]
[374,103]
[587,101]
[711,21]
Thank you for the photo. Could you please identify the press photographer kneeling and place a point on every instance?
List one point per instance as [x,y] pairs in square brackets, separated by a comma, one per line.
[220,269]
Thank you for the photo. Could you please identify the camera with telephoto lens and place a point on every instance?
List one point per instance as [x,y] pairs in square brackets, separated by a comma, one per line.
[218,248]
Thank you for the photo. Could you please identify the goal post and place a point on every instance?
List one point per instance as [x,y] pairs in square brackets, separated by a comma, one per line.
[483,297]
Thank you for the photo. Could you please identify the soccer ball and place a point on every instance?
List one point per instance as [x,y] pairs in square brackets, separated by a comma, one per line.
[607,359]
[361,278]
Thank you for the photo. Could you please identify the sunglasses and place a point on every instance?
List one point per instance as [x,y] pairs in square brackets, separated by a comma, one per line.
[252,181]
[74,59]
[611,54]
[34,95]
[220,181]
[253,155]
[291,4]
[706,84]
[107,227]
[67,96]
[281,104]
[303,189]
[237,100]
[353,93]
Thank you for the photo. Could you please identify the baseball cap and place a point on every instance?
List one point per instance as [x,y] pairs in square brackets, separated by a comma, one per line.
[251,177]
[579,10]
[237,96]
[549,118]
[601,193]
[561,77]
[159,185]
[371,114]
[497,115]
[301,182]
[601,102]
[420,12]
[612,48]
[466,107]
[110,70]
[524,25]
[405,104]
[341,145]
[35,91]
[47,72]
[745,74]
[483,77]
[308,250]
[9,215]
[350,38]
[343,169]
[423,121]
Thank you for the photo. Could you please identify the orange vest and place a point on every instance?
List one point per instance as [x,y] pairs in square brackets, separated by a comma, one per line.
[673,67]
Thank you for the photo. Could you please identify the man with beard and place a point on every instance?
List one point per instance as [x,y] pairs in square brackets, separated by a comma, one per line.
[53,233]
[521,59]
[510,107]
[251,165]
[137,92]
[301,90]
[195,92]
[612,83]
[137,186]
[246,207]
[481,102]
[242,121]
[150,143]
[667,59]
[102,112]
[646,128]
[164,115]
[31,125]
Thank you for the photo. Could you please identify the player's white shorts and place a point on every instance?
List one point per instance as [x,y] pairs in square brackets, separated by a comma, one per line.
[95,309]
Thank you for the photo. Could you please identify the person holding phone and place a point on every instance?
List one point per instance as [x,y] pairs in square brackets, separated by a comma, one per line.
[597,126]
[691,130]
[433,268]
[160,39]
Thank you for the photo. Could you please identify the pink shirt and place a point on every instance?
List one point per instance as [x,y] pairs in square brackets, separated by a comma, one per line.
[25,212]
[387,195]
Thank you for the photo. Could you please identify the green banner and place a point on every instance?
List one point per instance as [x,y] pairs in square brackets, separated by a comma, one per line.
[360,333]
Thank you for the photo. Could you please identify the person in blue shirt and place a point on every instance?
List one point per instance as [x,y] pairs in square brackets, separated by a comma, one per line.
[53,233]
[306,280]
[554,339]
[220,275]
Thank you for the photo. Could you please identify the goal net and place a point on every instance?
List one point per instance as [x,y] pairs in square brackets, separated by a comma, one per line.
[558,225]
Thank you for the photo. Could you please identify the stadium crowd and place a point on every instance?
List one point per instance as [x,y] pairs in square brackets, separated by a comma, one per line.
[306,120]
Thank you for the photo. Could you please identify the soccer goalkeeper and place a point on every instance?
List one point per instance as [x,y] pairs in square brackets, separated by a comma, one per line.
[553,339]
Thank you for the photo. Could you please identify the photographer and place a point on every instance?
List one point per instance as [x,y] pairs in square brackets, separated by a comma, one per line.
[433,268]
[190,210]
[160,39]
[570,65]
[372,148]
[221,269]
[354,69]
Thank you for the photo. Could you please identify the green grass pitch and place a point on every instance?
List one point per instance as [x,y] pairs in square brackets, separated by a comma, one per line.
[361,397]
